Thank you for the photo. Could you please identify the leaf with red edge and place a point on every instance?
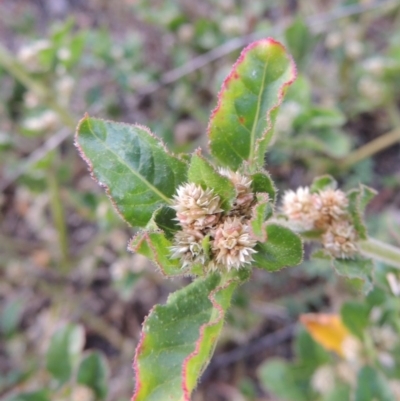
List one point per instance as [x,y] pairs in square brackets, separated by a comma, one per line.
[241,126]
[262,182]
[155,246]
[179,337]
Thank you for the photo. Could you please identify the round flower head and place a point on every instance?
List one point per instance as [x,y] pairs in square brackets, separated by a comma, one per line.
[232,245]
[242,184]
[187,247]
[331,205]
[196,206]
[299,207]
[340,240]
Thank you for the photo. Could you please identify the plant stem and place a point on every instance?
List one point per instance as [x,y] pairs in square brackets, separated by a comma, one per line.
[369,149]
[369,349]
[381,251]
[57,212]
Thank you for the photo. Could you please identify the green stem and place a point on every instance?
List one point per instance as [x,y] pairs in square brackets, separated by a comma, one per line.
[381,251]
[57,212]
[370,350]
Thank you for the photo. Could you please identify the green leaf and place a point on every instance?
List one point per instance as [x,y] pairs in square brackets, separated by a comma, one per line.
[178,338]
[359,271]
[11,315]
[261,211]
[240,127]
[262,182]
[40,395]
[299,39]
[323,182]
[355,316]
[371,385]
[342,392]
[318,118]
[279,378]
[65,347]
[334,142]
[132,164]
[201,172]
[93,372]
[164,218]
[358,201]
[310,354]
[155,246]
[282,248]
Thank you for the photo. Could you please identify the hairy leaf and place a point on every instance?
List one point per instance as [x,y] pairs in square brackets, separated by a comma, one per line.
[359,271]
[178,339]
[372,385]
[64,349]
[240,127]
[93,372]
[323,182]
[262,182]
[201,172]
[132,164]
[156,246]
[282,248]
[358,201]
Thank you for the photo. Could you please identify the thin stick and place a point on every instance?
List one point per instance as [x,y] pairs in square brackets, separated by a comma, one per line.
[369,149]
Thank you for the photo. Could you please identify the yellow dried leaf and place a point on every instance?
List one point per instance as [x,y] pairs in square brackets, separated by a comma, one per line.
[327,330]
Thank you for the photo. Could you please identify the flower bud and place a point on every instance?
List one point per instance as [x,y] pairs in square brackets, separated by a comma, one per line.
[299,207]
[188,247]
[233,246]
[197,207]
[340,240]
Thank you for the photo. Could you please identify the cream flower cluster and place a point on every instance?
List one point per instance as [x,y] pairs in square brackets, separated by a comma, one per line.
[210,236]
[326,211]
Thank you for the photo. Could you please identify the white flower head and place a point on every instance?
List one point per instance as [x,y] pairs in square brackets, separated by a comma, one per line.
[188,247]
[299,207]
[197,206]
[331,205]
[232,245]
[340,240]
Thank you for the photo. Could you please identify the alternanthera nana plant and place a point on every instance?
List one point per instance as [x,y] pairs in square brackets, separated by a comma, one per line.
[214,216]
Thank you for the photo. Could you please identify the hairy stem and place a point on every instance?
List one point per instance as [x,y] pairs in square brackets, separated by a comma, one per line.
[381,251]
